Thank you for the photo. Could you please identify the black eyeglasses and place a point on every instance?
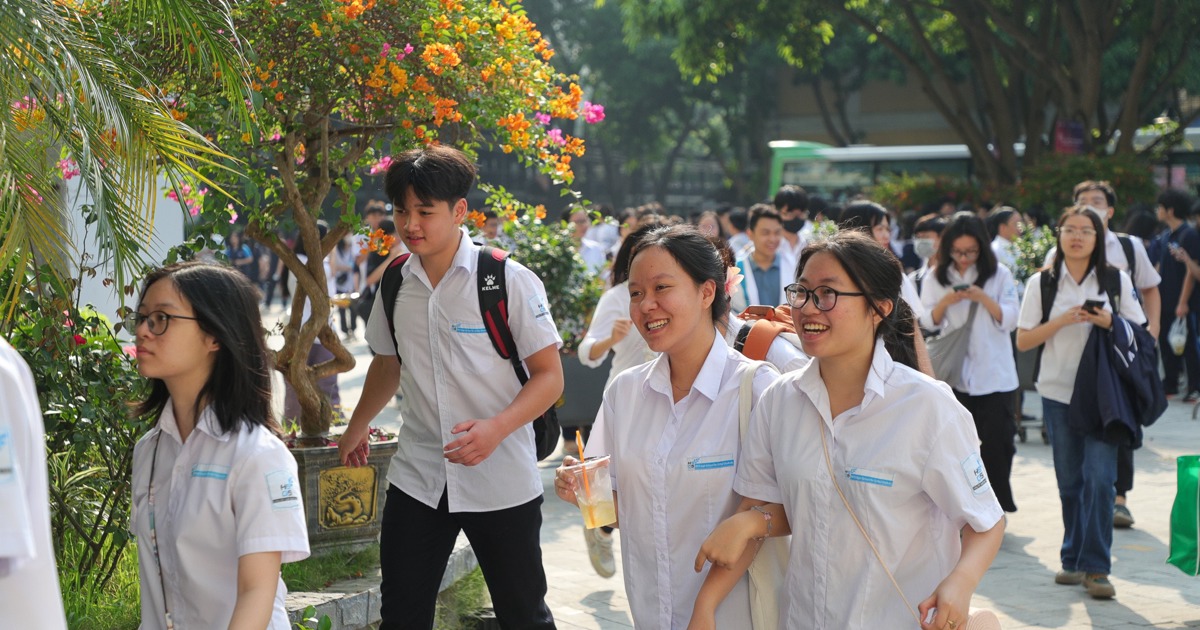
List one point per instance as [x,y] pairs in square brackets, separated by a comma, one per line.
[158,321]
[827,297]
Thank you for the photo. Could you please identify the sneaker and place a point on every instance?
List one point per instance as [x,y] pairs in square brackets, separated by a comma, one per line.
[1098,586]
[599,546]
[1070,578]
[1192,396]
[1122,519]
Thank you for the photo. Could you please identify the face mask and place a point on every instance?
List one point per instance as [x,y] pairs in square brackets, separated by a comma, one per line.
[793,225]
[924,247]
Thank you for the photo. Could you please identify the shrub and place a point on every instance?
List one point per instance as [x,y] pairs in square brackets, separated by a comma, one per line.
[1050,181]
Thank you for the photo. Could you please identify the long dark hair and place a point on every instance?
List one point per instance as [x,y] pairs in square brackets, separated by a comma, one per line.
[698,257]
[225,304]
[1097,259]
[620,267]
[965,224]
[875,271]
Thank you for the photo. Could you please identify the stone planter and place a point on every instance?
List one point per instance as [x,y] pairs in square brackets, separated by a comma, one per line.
[583,391]
[343,506]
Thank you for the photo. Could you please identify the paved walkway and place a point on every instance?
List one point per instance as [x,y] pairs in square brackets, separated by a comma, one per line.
[1019,586]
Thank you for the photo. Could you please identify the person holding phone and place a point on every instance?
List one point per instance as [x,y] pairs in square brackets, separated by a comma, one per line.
[971,288]
[1085,465]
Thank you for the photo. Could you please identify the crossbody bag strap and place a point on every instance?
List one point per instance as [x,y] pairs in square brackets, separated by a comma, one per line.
[846,502]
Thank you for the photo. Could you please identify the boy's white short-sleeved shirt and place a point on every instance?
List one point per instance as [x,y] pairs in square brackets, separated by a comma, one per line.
[451,373]
[1060,357]
[29,594]
[672,467]
[908,461]
[217,497]
[1114,253]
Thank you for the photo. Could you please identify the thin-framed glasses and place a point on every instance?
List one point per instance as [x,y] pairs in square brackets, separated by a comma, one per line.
[827,297]
[1074,231]
[964,254]
[158,321]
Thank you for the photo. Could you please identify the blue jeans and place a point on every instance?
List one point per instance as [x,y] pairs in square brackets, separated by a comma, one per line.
[1086,468]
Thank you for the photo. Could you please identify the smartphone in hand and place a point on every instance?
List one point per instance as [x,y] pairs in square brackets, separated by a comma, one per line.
[1092,306]
[961,287]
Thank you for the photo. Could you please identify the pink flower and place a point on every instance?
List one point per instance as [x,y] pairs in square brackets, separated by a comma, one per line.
[172,196]
[556,136]
[382,165]
[233,218]
[187,189]
[193,208]
[275,136]
[408,49]
[543,119]
[592,113]
[68,167]
[733,277]
[202,192]
[386,48]
[80,340]
[130,350]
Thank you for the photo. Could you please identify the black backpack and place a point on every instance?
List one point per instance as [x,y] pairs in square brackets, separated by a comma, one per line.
[1048,284]
[493,306]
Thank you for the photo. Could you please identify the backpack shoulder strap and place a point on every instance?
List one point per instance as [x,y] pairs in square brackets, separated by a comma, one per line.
[759,338]
[492,288]
[1048,284]
[389,290]
[1112,286]
[1127,247]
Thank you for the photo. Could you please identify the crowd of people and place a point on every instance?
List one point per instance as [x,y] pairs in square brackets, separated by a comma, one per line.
[883,465]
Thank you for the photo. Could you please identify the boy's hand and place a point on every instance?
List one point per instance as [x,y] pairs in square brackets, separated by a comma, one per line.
[480,438]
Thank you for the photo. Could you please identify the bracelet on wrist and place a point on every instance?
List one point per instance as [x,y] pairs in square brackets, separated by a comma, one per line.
[766,517]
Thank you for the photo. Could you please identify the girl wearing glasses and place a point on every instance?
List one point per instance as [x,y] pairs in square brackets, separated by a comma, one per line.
[1085,465]
[216,504]
[859,436]
[973,289]
[671,427]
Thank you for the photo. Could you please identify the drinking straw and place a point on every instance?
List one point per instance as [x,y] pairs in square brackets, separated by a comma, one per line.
[579,444]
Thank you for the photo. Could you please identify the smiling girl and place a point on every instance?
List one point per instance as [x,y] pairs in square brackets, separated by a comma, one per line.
[860,422]
[671,427]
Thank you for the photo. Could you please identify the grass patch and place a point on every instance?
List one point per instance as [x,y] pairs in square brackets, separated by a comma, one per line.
[318,572]
[458,605]
[117,606]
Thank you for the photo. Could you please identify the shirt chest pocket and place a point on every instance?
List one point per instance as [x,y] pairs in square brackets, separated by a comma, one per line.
[471,350]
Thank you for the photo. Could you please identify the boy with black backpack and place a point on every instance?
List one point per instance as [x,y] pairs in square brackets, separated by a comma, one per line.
[467,459]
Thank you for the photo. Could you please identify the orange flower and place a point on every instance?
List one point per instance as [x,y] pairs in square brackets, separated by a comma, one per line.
[477,218]
[279,96]
[539,211]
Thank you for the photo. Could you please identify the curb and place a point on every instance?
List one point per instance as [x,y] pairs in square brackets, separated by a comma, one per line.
[354,604]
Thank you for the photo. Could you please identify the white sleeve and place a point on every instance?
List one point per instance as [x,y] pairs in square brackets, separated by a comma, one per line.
[931,293]
[785,356]
[19,411]
[608,311]
[756,466]
[529,315]
[268,506]
[954,476]
[1031,307]
[1147,276]
[908,293]
[1010,305]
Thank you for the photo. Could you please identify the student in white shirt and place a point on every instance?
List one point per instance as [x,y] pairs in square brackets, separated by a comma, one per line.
[29,595]
[871,219]
[968,275]
[1006,224]
[216,500]
[593,253]
[791,202]
[661,420]
[466,458]
[765,267]
[1085,465]
[903,452]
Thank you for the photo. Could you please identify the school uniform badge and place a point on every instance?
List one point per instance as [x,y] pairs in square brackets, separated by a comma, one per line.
[976,474]
[7,468]
[284,492]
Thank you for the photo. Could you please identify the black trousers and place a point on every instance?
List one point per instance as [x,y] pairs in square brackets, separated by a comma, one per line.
[1124,470]
[417,541]
[995,422]
[1172,362]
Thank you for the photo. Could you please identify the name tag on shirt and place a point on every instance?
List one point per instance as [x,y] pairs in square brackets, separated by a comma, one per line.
[976,474]
[873,477]
[711,462]
[210,471]
[467,329]
[7,470]
[285,494]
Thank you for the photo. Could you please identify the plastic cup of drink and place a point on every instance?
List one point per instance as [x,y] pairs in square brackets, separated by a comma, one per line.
[593,492]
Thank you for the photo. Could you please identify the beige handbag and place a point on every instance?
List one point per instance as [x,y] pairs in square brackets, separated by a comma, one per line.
[978,620]
[770,565]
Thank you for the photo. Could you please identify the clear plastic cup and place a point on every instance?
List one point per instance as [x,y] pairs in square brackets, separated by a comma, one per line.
[595,497]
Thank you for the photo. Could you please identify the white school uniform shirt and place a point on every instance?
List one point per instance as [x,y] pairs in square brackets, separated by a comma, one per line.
[1005,251]
[672,468]
[452,373]
[907,459]
[29,594]
[1146,275]
[1060,358]
[908,293]
[628,352]
[989,366]
[217,497]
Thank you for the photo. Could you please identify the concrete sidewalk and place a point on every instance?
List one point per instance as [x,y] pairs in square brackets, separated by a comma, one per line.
[1020,585]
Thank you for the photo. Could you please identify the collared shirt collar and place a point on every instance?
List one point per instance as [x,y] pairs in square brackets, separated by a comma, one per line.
[809,382]
[207,423]
[708,381]
[963,278]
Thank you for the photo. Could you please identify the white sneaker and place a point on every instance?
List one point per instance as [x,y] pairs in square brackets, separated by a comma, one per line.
[600,552]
